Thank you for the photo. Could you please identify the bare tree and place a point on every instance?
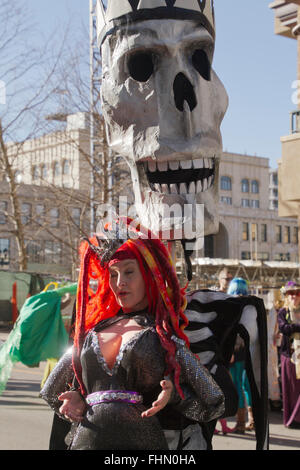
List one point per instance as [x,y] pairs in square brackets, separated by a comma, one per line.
[80,93]
[27,74]
[43,86]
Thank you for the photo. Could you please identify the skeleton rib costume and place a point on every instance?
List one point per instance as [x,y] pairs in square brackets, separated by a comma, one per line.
[215,319]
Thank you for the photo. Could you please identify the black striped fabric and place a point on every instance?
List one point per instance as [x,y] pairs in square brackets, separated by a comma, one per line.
[214,321]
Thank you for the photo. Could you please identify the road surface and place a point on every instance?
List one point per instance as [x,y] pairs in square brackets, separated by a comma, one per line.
[26,419]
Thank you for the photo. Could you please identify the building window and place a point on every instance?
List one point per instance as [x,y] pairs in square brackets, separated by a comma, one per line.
[35,173]
[275,179]
[226,200]
[255,203]
[275,192]
[278,234]
[245,235]
[263,256]
[282,257]
[76,213]
[287,235]
[4,252]
[295,235]
[34,252]
[245,186]
[254,186]
[246,255]
[226,183]
[245,203]
[56,169]
[26,213]
[3,212]
[18,177]
[66,167]
[40,213]
[254,231]
[264,232]
[44,171]
[54,217]
[53,252]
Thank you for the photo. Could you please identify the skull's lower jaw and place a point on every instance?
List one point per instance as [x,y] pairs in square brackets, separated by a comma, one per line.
[178,199]
[181,176]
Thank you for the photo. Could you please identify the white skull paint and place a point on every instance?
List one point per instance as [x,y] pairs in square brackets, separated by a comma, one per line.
[163,106]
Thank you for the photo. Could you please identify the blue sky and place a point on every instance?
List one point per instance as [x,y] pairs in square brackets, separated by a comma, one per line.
[256,67]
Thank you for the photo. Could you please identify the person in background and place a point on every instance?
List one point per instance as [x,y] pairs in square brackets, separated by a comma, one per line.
[51,362]
[239,286]
[274,341]
[224,279]
[289,326]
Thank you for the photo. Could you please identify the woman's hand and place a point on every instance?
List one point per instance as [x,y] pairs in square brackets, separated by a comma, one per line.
[73,407]
[162,399]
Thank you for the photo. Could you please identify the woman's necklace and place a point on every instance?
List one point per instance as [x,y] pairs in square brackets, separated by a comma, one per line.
[120,316]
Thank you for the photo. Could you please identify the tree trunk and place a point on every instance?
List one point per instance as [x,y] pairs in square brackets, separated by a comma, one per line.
[15,205]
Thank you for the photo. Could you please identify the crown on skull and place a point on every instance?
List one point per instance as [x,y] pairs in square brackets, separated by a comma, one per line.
[114,13]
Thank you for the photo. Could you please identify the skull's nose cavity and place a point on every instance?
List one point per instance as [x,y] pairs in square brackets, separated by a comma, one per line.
[184,91]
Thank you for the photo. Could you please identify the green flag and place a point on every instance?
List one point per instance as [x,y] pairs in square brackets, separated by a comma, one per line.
[38,334]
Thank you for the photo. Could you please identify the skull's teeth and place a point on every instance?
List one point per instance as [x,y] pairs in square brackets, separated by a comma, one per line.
[191,187]
[153,165]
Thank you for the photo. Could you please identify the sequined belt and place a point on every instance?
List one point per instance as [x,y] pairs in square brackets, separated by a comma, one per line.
[108,396]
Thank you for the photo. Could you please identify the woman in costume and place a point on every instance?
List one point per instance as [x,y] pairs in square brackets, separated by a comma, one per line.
[289,326]
[239,286]
[274,342]
[129,349]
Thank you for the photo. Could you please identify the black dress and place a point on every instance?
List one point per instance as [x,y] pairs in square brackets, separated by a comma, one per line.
[139,366]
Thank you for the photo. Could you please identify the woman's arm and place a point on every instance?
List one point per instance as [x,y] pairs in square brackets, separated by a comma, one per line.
[58,382]
[284,326]
[204,400]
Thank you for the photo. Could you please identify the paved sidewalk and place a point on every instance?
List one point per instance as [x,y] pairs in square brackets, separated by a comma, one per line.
[26,419]
[281,438]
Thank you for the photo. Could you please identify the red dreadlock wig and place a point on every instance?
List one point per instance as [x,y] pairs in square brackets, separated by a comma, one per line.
[166,300]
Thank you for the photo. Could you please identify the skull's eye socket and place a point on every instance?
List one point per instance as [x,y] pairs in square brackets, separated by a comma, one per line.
[201,63]
[140,66]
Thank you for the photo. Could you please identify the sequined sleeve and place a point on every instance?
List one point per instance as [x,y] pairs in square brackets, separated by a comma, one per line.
[58,381]
[204,400]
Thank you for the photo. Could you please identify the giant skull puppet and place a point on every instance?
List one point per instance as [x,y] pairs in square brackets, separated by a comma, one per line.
[163,106]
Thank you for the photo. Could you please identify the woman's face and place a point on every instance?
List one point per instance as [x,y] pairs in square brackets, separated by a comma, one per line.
[128,286]
[294,299]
